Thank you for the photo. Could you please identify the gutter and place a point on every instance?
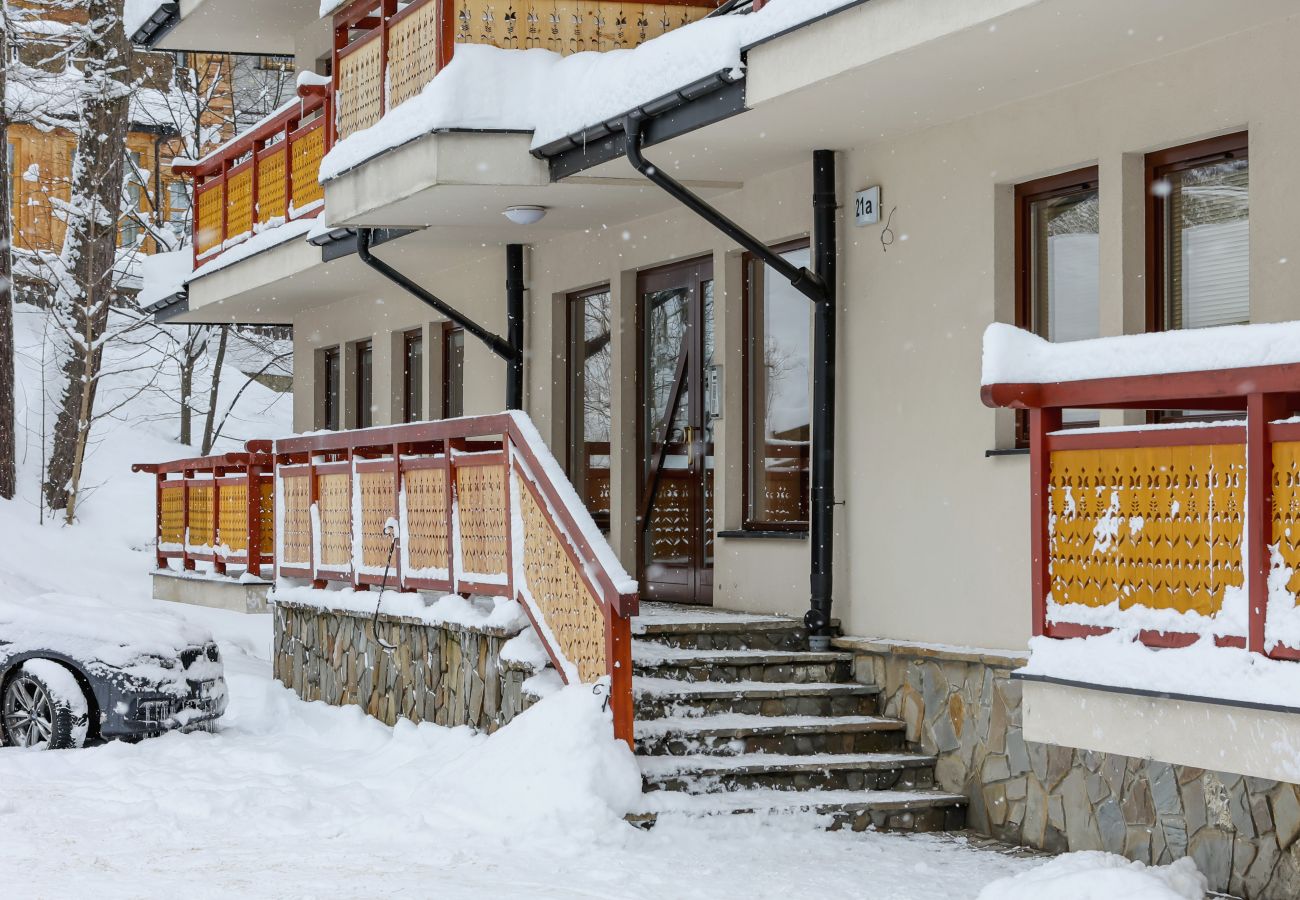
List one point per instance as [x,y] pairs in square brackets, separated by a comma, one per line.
[159,24]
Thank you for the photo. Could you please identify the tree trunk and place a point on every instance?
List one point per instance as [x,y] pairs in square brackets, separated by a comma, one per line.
[90,244]
[187,387]
[8,423]
[208,435]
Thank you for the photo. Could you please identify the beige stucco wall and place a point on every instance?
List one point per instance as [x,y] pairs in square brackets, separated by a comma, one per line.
[932,540]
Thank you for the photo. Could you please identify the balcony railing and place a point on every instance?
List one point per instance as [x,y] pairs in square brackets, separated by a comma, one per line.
[386,51]
[480,507]
[215,509]
[1178,531]
[262,178]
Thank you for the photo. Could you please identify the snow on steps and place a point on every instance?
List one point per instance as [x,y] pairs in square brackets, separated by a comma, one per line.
[734,715]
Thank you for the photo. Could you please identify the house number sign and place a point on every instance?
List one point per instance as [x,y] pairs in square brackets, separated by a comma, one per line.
[866,206]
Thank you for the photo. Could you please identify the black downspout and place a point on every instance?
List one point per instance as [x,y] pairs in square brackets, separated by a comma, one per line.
[818,286]
[822,474]
[510,350]
[515,325]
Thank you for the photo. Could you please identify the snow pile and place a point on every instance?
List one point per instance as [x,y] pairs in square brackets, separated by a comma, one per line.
[164,274]
[1201,669]
[480,613]
[137,12]
[1093,875]
[553,96]
[1015,356]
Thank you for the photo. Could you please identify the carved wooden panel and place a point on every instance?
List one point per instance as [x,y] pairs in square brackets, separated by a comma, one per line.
[484,519]
[573,614]
[270,186]
[199,518]
[567,26]
[360,88]
[1286,508]
[308,150]
[295,492]
[232,517]
[335,504]
[378,499]
[171,528]
[266,512]
[1156,526]
[427,544]
[239,202]
[412,54]
[207,234]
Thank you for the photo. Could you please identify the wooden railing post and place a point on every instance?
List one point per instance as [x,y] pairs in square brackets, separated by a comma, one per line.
[314,523]
[253,511]
[218,561]
[187,479]
[618,647]
[1041,422]
[160,561]
[1260,410]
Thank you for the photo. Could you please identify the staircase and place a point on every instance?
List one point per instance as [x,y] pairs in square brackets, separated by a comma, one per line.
[734,715]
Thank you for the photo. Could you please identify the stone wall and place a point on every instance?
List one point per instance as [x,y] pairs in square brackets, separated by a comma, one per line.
[965,708]
[447,674]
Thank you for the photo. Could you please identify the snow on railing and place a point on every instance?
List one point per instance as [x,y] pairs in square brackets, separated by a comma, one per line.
[1183,529]
[215,509]
[479,506]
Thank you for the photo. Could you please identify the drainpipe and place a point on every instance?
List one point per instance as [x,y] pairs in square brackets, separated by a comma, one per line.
[818,286]
[515,325]
[512,351]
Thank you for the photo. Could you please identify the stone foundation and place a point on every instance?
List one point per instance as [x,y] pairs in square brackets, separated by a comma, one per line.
[446,674]
[966,708]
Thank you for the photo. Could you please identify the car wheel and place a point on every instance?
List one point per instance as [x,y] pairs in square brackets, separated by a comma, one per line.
[44,708]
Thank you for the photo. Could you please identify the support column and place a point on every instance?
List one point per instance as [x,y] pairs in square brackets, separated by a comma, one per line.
[515,325]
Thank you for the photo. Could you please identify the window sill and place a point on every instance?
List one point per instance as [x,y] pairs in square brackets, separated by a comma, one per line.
[759,534]
[1008,451]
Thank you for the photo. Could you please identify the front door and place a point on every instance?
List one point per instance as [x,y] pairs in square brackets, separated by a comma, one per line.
[676,433]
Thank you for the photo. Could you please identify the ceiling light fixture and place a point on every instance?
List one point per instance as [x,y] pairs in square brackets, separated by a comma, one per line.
[525,215]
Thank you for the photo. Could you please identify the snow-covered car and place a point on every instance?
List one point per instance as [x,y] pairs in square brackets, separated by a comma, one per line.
[78,669]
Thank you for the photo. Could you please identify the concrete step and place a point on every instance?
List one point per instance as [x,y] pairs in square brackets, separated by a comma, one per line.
[714,631]
[799,667]
[731,734]
[922,810]
[660,697]
[701,774]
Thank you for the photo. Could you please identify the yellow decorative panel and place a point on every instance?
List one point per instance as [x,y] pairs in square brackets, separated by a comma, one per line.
[270,186]
[295,492]
[412,54]
[567,26]
[563,600]
[239,204]
[232,517]
[334,494]
[208,233]
[1159,527]
[171,529]
[266,512]
[199,517]
[378,505]
[1286,508]
[308,151]
[484,520]
[426,519]
[359,97]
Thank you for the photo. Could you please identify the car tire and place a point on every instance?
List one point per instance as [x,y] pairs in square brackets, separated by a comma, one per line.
[44,708]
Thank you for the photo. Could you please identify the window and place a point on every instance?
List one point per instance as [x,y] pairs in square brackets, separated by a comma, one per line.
[778,396]
[330,394]
[363,404]
[413,376]
[178,207]
[590,355]
[130,232]
[1198,246]
[453,371]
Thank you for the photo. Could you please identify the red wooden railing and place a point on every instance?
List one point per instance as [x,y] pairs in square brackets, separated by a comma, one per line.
[1181,513]
[480,508]
[215,509]
[263,177]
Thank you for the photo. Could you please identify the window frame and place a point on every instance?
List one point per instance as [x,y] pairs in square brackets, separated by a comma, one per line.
[748,522]
[448,329]
[359,350]
[409,338]
[573,338]
[1027,193]
[331,359]
[1158,164]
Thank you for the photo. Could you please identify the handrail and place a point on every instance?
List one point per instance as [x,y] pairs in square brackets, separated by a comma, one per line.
[482,507]
[1242,479]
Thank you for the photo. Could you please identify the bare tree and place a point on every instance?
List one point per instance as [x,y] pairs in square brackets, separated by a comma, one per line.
[8,423]
[83,299]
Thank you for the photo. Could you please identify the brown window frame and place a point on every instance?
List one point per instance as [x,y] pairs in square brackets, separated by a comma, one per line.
[332,375]
[410,338]
[448,329]
[748,522]
[1075,181]
[574,336]
[1159,164]
[360,348]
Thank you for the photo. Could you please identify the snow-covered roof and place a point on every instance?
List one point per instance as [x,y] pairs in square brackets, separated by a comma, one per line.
[1015,356]
[554,96]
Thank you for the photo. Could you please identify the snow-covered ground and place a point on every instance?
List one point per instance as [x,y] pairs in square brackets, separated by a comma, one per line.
[294,799]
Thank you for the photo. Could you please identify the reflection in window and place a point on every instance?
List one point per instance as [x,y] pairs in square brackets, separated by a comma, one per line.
[364,404]
[590,400]
[413,376]
[779,414]
[453,371]
[330,400]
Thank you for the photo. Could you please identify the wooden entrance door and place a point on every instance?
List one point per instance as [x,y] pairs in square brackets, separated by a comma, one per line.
[676,433]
